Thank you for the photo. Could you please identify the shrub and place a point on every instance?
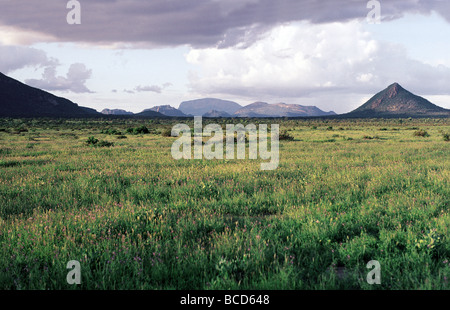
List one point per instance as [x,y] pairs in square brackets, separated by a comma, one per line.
[138,130]
[284,135]
[103,143]
[421,133]
[21,129]
[166,132]
[446,136]
[111,131]
[142,130]
[370,137]
[92,141]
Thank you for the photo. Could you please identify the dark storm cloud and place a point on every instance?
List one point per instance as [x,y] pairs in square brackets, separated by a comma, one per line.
[198,23]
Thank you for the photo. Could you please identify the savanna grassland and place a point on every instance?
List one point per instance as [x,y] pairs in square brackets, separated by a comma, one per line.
[108,194]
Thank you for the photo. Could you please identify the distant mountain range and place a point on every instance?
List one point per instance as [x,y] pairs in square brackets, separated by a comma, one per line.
[166,110]
[20,100]
[211,107]
[264,109]
[116,112]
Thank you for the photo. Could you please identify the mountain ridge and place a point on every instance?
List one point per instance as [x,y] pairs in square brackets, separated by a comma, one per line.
[166,110]
[21,100]
[116,112]
[264,109]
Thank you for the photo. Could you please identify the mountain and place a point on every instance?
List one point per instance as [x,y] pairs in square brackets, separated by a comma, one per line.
[167,110]
[20,100]
[200,107]
[264,109]
[150,113]
[90,111]
[397,101]
[116,112]
[216,114]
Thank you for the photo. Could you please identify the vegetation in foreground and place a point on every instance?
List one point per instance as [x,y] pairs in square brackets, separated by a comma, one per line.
[346,192]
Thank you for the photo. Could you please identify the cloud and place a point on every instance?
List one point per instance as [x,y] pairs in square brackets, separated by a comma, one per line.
[200,23]
[299,61]
[74,81]
[153,88]
[17,57]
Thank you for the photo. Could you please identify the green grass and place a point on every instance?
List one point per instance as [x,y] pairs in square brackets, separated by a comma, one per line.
[346,192]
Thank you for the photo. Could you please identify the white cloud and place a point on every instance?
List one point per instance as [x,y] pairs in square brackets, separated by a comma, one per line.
[74,81]
[300,60]
[148,88]
[151,88]
[17,57]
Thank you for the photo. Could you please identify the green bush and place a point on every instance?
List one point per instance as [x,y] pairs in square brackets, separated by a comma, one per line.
[421,133]
[285,136]
[103,143]
[166,132]
[138,130]
[111,131]
[92,141]
[446,136]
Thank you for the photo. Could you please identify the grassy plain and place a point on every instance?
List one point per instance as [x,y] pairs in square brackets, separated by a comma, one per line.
[346,192]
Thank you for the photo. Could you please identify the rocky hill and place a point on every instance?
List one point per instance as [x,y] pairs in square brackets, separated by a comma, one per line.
[397,101]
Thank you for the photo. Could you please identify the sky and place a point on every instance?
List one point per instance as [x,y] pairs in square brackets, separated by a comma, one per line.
[136,54]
